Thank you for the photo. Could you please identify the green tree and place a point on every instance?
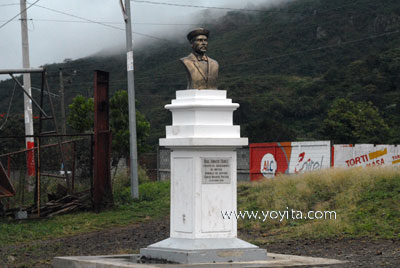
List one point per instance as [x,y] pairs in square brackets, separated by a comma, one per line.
[81,114]
[355,122]
[119,123]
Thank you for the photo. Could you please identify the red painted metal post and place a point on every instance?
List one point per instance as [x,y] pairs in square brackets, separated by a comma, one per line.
[102,192]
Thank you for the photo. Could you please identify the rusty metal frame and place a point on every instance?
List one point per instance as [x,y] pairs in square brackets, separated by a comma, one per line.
[102,191]
[35,148]
[102,133]
[43,116]
[6,187]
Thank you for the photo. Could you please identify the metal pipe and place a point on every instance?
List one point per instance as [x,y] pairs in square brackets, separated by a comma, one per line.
[22,71]
[27,94]
[34,148]
[50,135]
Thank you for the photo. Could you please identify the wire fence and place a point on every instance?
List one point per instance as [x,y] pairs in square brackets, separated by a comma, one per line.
[50,183]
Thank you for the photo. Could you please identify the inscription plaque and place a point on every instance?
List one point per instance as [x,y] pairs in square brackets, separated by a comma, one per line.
[216,170]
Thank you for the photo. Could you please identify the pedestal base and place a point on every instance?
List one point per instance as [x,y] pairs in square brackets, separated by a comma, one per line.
[203,141]
[204,250]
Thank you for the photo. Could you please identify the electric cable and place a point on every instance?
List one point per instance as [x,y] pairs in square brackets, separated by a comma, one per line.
[4,24]
[208,7]
[315,49]
[51,94]
[282,55]
[285,55]
[103,24]
[309,26]
[120,23]
[5,5]
[233,9]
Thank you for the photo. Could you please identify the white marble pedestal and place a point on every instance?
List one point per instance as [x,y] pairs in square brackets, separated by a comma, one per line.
[203,141]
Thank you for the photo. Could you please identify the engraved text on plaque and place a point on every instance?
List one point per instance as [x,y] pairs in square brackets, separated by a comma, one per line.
[216,170]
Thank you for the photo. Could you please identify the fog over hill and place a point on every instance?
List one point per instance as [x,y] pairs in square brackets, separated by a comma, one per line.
[286,66]
[78,28]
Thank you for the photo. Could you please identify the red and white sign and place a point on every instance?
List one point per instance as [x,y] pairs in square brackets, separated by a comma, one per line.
[269,159]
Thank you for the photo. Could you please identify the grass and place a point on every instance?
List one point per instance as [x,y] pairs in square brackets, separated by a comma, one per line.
[366,202]
[152,204]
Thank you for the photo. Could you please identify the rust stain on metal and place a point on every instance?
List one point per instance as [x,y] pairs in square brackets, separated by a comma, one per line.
[102,192]
[6,187]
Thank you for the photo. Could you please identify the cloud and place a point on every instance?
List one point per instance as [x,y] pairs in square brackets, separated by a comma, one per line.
[54,36]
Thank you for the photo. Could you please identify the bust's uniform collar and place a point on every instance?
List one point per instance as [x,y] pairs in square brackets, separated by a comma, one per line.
[196,57]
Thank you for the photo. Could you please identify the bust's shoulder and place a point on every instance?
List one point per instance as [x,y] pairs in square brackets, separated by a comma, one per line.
[213,61]
[189,57]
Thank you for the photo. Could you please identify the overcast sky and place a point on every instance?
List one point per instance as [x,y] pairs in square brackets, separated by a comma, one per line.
[54,37]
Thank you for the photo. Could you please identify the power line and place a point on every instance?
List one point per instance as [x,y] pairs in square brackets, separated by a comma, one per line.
[277,56]
[338,7]
[51,94]
[193,24]
[78,17]
[5,5]
[183,24]
[307,26]
[117,82]
[284,55]
[288,54]
[101,23]
[4,24]
[266,94]
[235,9]
[210,7]
[119,23]
[315,49]
[107,24]
[73,21]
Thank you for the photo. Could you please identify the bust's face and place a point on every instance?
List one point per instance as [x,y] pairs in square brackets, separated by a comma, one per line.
[199,44]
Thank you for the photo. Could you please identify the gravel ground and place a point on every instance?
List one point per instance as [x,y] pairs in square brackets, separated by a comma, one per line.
[121,240]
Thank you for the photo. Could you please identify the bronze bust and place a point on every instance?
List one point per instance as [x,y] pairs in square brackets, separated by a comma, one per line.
[202,71]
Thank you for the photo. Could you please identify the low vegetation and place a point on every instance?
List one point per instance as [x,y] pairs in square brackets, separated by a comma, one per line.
[153,203]
[365,201]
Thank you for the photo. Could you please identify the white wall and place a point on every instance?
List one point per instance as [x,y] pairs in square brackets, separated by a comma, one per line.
[308,156]
[364,155]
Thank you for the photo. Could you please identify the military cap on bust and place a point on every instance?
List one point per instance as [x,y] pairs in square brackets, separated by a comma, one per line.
[196,32]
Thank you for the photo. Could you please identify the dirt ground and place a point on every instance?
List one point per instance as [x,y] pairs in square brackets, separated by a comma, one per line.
[359,252]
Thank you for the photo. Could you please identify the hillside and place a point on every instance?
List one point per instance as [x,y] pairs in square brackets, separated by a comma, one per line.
[285,66]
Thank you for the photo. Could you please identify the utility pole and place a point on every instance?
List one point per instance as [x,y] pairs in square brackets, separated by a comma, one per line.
[62,104]
[27,86]
[131,100]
